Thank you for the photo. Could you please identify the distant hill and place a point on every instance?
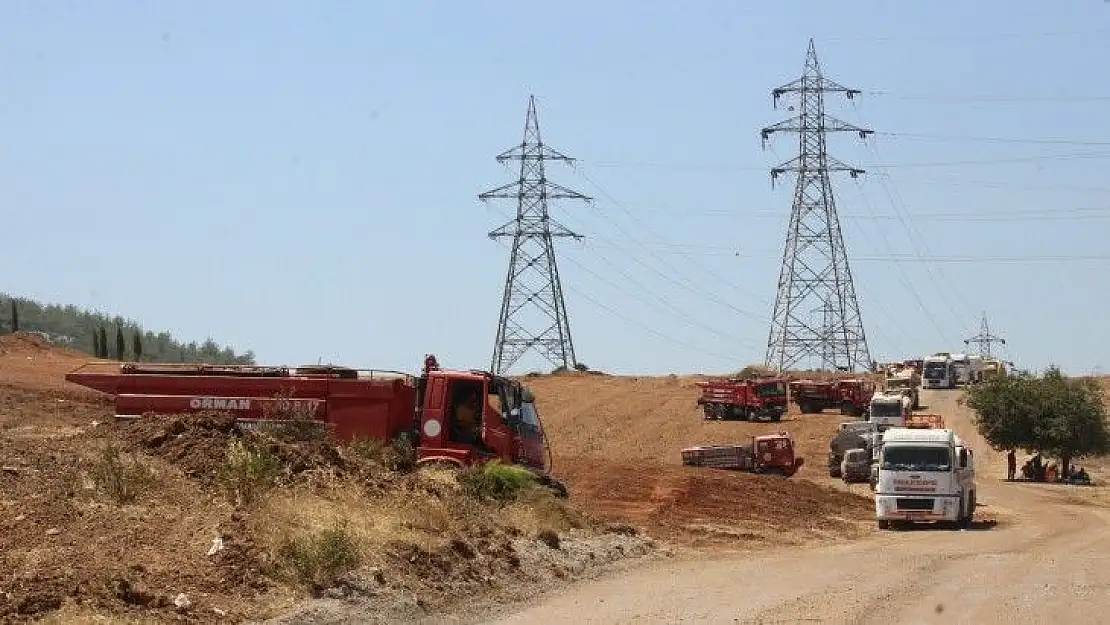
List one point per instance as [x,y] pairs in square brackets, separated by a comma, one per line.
[75,328]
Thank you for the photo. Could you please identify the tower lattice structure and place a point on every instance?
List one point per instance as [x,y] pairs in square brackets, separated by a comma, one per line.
[533,310]
[984,339]
[816,315]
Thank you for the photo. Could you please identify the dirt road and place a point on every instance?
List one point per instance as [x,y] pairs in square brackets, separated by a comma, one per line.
[1047,560]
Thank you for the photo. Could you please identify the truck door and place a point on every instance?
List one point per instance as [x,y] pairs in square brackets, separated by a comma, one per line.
[495,433]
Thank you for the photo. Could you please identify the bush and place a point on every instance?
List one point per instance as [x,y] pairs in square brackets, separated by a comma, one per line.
[246,473]
[122,481]
[498,481]
[399,455]
[319,559]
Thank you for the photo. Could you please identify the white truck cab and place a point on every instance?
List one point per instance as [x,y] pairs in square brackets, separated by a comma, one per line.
[924,475]
[889,409]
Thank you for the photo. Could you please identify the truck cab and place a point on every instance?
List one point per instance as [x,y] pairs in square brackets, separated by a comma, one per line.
[938,372]
[924,475]
[466,417]
[890,409]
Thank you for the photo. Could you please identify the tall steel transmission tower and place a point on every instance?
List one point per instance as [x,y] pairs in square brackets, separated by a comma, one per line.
[815,263]
[533,312]
[984,339]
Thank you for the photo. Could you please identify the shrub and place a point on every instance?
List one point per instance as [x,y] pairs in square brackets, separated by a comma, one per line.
[319,559]
[247,472]
[498,481]
[122,481]
[399,455]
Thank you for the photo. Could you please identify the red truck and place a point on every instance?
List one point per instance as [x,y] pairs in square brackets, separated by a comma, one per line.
[747,400]
[770,453]
[851,395]
[350,403]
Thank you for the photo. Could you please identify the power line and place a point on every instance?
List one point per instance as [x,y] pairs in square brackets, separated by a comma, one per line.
[1018,215]
[970,138]
[670,307]
[653,331]
[725,167]
[993,98]
[709,250]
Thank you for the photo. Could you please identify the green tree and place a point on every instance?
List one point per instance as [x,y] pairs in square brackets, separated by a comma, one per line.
[103,342]
[1058,416]
[15,316]
[121,344]
[137,346]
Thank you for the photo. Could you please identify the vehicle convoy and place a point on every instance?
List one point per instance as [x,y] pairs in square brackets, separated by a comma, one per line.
[924,474]
[770,453]
[905,381]
[938,372]
[747,400]
[450,417]
[850,395]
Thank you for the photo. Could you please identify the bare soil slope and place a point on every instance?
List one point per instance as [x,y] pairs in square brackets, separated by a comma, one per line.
[616,440]
[73,544]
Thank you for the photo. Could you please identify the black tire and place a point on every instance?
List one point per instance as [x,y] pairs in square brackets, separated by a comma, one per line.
[884,525]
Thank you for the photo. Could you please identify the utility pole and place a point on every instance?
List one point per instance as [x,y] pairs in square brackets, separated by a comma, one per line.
[984,339]
[815,262]
[533,312]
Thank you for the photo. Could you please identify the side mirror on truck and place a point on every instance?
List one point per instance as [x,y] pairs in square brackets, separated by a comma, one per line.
[963,458]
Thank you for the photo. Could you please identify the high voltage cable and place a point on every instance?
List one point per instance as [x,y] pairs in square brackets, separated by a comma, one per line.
[686,317]
[643,326]
[994,98]
[707,250]
[725,167]
[1035,214]
[970,138]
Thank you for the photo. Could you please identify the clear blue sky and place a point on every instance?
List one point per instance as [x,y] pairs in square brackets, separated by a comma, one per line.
[301,178]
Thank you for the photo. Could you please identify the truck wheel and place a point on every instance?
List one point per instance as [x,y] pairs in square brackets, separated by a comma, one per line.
[884,525]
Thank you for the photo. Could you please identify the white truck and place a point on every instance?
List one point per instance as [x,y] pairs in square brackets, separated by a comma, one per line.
[905,381]
[938,372]
[889,408]
[924,475]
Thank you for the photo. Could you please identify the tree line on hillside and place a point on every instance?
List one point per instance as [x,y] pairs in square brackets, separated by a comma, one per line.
[1051,414]
[104,336]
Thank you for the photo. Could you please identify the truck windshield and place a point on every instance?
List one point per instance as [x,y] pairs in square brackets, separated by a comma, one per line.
[770,388]
[886,411]
[529,418]
[935,370]
[916,459]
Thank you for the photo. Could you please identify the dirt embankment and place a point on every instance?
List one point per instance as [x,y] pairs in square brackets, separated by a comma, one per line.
[616,440]
[191,518]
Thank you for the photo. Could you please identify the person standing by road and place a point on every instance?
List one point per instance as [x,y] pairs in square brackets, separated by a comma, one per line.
[1011,465]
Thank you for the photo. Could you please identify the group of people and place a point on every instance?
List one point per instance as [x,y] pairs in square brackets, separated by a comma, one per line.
[1035,470]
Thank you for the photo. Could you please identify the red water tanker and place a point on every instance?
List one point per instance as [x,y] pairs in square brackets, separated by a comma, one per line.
[449,416]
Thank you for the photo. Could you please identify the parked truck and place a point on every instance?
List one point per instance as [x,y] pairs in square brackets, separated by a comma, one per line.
[852,435]
[924,474]
[906,381]
[938,373]
[450,417]
[769,453]
[850,395]
[890,409]
[747,400]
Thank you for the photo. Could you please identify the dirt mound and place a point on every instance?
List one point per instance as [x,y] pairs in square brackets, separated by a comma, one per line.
[197,443]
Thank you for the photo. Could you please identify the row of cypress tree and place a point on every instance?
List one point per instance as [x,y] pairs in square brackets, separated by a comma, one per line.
[101,347]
